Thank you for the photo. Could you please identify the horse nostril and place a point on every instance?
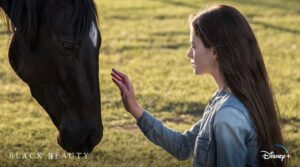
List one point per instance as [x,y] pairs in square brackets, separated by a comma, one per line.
[90,141]
[72,142]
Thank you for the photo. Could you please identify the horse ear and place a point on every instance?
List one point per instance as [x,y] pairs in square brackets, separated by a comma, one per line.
[1,3]
[5,5]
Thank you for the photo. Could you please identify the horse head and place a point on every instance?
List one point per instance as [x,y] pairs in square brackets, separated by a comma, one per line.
[54,49]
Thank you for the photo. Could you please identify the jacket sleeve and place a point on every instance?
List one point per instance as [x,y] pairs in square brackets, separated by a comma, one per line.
[231,128]
[180,145]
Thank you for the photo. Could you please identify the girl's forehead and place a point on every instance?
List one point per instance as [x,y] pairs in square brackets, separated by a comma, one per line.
[192,34]
[193,37]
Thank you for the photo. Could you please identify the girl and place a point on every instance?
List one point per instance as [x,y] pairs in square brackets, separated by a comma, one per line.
[240,119]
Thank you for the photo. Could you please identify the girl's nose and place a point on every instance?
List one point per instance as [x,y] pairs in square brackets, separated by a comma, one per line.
[189,54]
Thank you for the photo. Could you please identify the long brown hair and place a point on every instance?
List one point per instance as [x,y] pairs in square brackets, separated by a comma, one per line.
[242,67]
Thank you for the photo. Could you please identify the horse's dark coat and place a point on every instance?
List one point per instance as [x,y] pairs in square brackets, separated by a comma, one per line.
[54,49]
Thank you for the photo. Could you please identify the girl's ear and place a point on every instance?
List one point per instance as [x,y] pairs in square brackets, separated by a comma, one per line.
[215,56]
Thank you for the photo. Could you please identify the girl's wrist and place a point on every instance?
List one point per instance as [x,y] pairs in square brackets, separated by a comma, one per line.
[137,112]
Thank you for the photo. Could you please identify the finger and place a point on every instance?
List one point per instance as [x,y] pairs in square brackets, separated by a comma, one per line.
[122,75]
[116,76]
[124,88]
[117,83]
[124,78]
[121,80]
[120,85]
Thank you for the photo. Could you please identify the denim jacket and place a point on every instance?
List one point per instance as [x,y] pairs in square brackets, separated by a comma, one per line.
[224,137]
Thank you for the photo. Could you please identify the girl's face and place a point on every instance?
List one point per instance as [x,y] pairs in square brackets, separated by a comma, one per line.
[203,59]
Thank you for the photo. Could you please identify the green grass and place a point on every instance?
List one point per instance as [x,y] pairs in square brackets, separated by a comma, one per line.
[148,40]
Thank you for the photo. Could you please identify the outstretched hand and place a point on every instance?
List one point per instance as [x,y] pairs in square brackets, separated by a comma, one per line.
[127,93]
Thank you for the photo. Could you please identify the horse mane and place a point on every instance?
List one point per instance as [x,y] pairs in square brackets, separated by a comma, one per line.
[23,16]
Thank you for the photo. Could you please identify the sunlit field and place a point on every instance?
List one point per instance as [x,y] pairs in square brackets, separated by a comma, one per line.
[148,40]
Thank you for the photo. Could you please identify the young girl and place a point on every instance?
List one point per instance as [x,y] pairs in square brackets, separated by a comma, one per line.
[240,119]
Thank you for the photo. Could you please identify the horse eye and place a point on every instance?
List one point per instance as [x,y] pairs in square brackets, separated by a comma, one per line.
[68,46]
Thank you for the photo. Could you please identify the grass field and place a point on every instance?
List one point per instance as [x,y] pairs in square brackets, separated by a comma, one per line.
[148,39]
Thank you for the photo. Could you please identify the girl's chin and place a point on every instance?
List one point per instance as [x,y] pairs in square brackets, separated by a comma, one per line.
[197,72]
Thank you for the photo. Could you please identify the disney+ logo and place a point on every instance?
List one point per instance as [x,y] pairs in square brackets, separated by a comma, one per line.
[272,155]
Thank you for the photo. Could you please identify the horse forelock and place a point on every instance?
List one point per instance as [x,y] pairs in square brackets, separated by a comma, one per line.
[87,14]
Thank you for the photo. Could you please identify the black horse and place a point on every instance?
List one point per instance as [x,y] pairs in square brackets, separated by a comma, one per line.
[54,49]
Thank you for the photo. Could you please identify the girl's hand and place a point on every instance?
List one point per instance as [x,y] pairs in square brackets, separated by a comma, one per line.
[127,93]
